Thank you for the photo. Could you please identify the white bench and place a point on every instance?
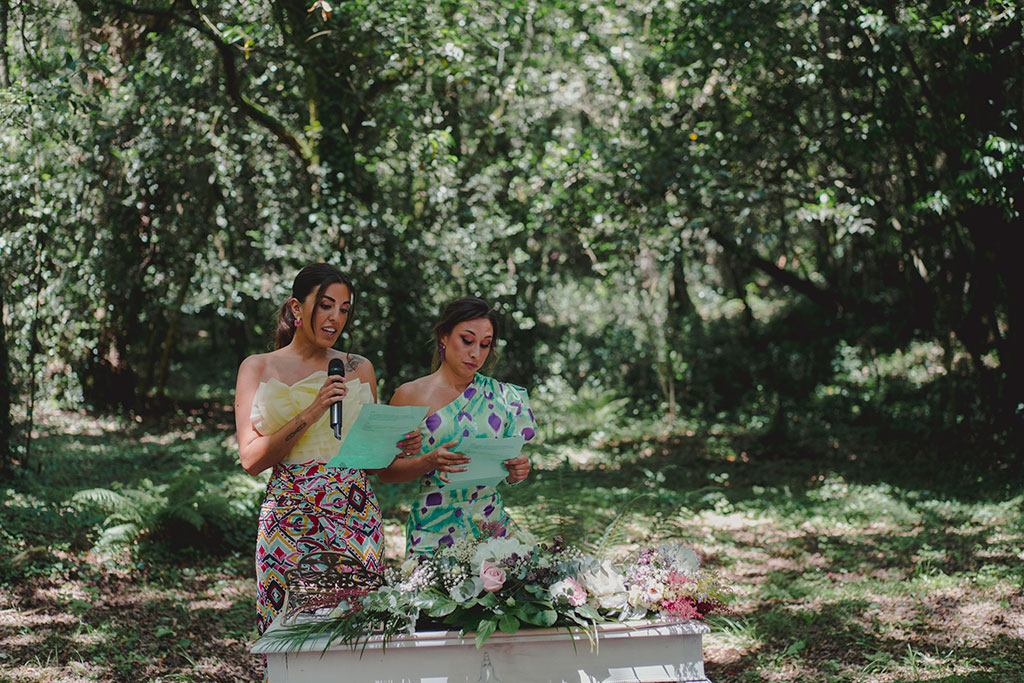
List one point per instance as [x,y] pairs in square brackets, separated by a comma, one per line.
[646,652]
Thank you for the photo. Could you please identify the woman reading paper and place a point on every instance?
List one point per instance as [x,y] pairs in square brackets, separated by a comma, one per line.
[282,401]
[462,404]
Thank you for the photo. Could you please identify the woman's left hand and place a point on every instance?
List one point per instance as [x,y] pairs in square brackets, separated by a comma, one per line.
[411,444]
[518,469]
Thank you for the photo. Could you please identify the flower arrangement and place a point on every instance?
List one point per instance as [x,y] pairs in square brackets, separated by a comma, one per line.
[502,581]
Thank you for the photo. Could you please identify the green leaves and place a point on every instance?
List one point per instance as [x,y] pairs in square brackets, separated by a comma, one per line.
[508,624]
[642,210]
[484,630]
[589,613]
[435,604]
[538,614]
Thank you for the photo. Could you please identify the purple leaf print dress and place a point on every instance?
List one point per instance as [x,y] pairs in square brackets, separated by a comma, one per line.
[487,409]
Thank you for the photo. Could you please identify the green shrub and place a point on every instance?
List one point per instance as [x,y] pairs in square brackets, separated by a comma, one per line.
[189,512]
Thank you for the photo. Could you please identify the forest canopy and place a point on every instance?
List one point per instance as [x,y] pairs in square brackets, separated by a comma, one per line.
[717,210]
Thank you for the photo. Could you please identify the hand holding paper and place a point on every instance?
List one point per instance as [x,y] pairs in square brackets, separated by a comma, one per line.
[486,458]
[369,443]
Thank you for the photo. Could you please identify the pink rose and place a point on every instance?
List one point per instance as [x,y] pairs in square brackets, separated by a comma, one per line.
[492,575]
[570,589]
[579,594]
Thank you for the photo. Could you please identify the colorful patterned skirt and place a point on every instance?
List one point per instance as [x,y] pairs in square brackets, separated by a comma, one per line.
[441,515]
[308,508]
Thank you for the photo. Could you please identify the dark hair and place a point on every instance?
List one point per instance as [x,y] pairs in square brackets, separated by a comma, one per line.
[460,311]
[311,277]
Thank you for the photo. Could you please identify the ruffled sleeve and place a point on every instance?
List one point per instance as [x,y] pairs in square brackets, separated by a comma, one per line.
[520,417]
[276,403]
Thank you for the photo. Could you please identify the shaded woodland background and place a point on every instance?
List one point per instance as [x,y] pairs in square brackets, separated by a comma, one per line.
[756,260]
[722,210]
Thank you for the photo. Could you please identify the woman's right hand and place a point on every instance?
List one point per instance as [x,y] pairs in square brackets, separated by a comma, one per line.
[331,391]
[444,461]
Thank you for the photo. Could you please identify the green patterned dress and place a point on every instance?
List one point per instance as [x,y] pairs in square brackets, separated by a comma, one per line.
[487,409]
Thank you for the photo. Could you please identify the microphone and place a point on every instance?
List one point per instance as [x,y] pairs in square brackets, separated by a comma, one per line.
[336,367]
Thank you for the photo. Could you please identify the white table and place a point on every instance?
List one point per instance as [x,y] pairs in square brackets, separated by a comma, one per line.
[638,652]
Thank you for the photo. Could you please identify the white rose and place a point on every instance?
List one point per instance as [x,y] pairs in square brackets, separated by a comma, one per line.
[637,596]
[607,586]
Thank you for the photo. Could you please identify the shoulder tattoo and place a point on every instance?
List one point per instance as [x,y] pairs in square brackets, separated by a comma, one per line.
[353,362]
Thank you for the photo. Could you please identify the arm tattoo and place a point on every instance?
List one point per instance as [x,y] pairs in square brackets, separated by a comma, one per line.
[353,362]
[299,428]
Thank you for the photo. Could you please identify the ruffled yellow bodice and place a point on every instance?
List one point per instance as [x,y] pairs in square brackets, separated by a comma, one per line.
[276,403]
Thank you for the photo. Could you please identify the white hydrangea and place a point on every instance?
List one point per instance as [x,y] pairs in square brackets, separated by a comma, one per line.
[453,52]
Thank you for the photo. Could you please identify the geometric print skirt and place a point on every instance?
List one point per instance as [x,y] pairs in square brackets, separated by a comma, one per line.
[308,508]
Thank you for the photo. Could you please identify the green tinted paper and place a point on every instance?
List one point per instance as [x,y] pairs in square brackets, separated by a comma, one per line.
[370,442]
[486,456]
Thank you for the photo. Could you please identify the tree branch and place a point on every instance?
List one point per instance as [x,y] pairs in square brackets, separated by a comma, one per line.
[255,112]
[232,81]
[815,293]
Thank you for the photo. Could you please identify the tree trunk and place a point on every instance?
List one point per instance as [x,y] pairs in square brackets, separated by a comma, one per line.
[6,441]
[106,376]
[172,332]
[5,65]
[147,373]
[995,298]
[33,349]
[394,334]
[681,323]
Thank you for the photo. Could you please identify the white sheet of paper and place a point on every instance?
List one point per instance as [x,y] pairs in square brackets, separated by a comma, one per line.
[369,443]
[486,458]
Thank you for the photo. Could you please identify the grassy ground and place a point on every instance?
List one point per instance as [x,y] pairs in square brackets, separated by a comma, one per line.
[855,556]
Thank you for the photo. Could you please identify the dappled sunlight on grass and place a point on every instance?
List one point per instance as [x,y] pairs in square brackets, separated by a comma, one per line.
[844,569]
[841,575]
[130,626]
[47,668]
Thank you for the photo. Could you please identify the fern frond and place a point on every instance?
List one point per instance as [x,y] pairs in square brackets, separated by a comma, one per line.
[613,533]
[105,499]
[674,526]
[122,534]
[186,513]
[546,524]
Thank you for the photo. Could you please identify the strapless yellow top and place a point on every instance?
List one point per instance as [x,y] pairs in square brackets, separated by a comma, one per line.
[276,403]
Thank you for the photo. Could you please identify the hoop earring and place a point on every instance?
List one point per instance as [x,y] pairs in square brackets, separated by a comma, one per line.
[298,322]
